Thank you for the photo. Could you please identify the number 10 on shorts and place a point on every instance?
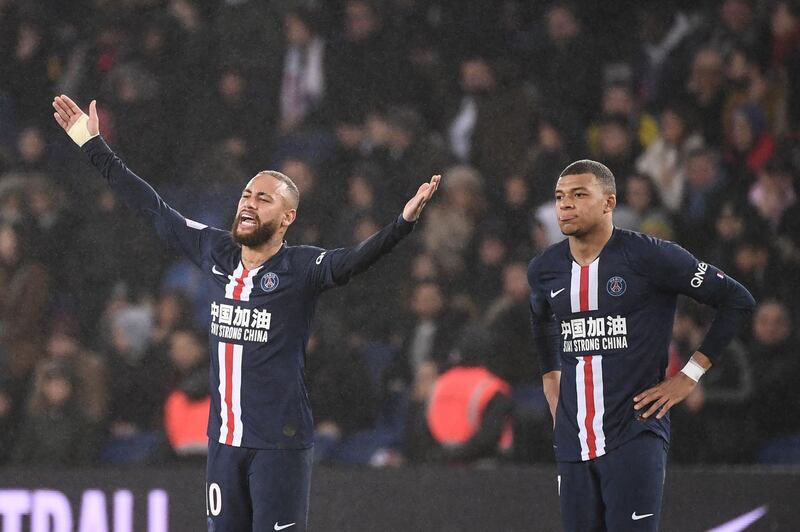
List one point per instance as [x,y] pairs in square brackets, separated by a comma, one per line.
[213,499]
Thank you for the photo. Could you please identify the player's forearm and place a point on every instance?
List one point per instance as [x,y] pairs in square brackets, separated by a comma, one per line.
[545,340]
[551,385]
[363,255]
[132,190]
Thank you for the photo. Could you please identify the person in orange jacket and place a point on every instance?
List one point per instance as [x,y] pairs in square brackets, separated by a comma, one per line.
[469,411]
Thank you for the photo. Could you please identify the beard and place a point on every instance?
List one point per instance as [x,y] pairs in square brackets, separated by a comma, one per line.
[263,233]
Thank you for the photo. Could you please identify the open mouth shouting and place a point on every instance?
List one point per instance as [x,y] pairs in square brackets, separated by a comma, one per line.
[248,220]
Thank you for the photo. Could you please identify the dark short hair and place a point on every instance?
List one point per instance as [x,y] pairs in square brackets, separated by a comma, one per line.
[599,170]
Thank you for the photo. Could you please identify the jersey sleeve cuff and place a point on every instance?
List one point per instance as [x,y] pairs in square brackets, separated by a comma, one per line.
[405,226]
[94,144]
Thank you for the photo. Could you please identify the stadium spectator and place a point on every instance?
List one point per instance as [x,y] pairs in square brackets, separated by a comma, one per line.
[54,432]
[490,255]
[665,159]
[776,368]
[450,226]
[642,210]
[706,94]
[428,335]
[138,373]
[24,285]
[618,100]
[507,321]
[490,126]
[720,405]
[317,209]
[365,60]
[89,372]
[187,404]
[172,312]
[784,57]
[749,147]
[704,191]
[9,412]
[304,73]
[469,411]
[617,148]
[565,67]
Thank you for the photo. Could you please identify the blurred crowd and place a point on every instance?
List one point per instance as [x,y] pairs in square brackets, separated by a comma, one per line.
[695,106]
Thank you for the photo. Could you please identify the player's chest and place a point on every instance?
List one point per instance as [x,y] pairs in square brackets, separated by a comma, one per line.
[602,287]
[258,288]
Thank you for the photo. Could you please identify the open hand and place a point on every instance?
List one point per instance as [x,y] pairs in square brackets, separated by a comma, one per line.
[414,207]
[664,396]
[68,113]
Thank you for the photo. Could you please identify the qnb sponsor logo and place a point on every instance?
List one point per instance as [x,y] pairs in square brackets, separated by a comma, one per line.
[699,275]
[52,511]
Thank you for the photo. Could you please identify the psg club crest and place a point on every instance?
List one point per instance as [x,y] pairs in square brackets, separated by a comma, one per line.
[616,286]
[269,282]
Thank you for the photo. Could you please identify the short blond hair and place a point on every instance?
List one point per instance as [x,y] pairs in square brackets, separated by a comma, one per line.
[293,193]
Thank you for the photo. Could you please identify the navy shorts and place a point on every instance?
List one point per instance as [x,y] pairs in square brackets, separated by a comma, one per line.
[257,489]
[619,491]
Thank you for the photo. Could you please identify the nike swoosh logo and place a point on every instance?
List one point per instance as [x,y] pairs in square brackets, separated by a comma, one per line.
[281,527]
[741,522]
[637,517]
[214,270]
[554,293]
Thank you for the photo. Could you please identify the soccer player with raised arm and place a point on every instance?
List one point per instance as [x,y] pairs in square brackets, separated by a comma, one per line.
[261,299]
[602,305]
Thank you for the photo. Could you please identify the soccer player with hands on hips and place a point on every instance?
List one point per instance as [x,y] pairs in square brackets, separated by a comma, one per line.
[261,298]
[602,304]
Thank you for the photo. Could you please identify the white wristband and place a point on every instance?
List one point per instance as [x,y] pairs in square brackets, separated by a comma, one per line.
[693,370]
[79,132]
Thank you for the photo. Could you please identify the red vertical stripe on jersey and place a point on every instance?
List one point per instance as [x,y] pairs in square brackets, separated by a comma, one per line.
[229,391]
[588,379]
[584,293]
[237,291]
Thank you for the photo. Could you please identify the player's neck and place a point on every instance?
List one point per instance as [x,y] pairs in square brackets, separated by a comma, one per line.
[253,257]
[587,247]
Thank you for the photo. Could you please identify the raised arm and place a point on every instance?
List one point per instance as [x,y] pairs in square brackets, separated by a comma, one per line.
[78,125]
[181,233]
[337,266]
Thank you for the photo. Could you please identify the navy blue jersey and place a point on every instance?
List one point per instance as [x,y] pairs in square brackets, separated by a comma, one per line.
[607,327]
[259,319]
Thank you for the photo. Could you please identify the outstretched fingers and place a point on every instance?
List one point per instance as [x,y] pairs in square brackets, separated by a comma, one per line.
[62,111]
[430,187]
[73,107]
[60,121]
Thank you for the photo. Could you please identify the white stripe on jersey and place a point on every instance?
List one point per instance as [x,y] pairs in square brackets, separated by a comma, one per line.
[575,287]
[581,417]
[596,421]
[233,281]
[223,405]
[593,284]
[238,427]
[235,406]
[599,405]
[247,284]
[195,225]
